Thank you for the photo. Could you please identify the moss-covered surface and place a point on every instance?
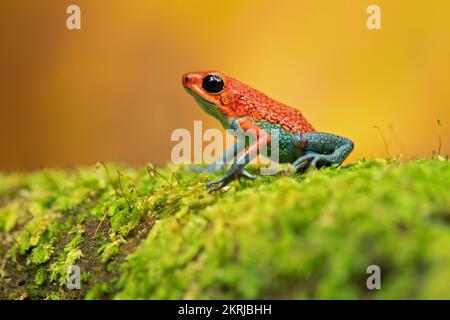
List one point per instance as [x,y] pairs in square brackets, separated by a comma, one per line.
[149,236]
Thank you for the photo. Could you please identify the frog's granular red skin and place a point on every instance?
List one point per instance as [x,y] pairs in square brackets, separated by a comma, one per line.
[241,100]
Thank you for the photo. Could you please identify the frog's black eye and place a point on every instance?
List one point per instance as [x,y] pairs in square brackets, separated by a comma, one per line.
[212,83]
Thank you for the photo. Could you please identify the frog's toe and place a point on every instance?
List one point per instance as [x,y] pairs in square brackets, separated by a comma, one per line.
[227,178]
[321,161]
[216,188]
[218,183]
[315,162]
[303,162]
[247,175]
[312,160]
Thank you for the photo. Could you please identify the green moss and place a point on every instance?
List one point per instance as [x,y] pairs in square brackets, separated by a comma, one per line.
[98,291]
[53,296]
[42,253]
[8,216]
[122,219]
[148,236]
[40,276]
[86,276]
[60,268]
[109,250]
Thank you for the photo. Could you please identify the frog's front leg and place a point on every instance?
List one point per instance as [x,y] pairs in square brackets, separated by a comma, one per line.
[321,149]
[222,161]
[260,137]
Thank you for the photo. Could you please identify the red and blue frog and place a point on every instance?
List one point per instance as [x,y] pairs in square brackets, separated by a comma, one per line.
[238,106]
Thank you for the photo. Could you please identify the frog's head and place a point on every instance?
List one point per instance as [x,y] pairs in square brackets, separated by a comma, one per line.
[212,92]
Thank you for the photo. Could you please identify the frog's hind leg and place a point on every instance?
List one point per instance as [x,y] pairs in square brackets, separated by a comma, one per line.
[302,163]
[321,149]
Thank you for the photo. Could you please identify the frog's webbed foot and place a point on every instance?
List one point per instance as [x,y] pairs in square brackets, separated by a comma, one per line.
[211,168]
[313,159]
[236,172]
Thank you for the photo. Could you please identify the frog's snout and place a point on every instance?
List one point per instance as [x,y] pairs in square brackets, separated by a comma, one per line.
[192,79]
[185,79]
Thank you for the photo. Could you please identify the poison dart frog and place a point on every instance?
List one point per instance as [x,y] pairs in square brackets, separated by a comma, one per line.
[238,106]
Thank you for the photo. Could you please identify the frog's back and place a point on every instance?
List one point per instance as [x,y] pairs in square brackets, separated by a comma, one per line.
[256,105]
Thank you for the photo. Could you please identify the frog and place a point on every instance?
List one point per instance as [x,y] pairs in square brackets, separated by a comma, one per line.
[242,108]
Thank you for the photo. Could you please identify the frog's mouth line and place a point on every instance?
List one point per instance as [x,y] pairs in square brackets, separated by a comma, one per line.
[206,105]
[209,107]
[197,97]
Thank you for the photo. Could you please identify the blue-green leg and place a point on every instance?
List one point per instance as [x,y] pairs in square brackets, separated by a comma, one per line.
[321,149]
[236,172]
[237,169]
[222,161]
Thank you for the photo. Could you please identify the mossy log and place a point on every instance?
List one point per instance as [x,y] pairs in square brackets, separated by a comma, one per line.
[137,233]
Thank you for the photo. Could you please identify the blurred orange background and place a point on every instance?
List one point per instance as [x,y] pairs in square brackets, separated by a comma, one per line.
[112,90]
